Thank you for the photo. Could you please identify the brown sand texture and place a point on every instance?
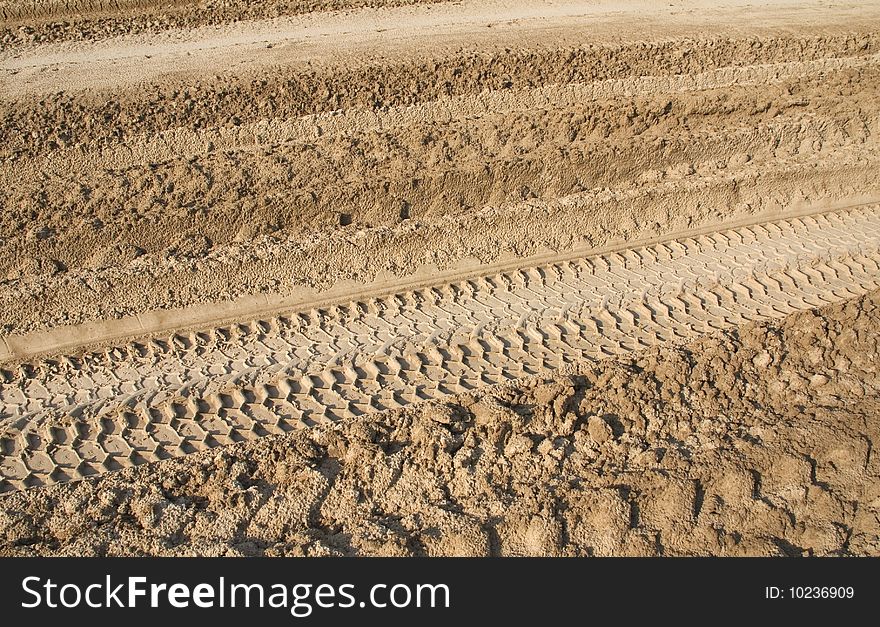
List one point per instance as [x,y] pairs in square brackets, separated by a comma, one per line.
[407,277]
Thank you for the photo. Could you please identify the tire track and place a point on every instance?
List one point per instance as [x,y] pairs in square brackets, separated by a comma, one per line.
[184,143]
[72,417]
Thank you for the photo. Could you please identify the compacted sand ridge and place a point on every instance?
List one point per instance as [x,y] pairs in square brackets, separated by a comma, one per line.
[400,277]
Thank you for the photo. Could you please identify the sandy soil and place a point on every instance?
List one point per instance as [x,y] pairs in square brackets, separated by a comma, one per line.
[754,442]
[53,20]
[388,139]
[412,277]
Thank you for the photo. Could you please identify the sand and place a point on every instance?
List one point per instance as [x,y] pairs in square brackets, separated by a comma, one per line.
[438,278]
[752,442]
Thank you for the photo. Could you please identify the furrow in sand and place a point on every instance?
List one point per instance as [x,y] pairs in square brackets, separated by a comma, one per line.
[295,268]
[74,417]
[183,143]
[180,193]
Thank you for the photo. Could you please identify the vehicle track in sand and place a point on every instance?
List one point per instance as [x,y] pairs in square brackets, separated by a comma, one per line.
[380,141]
[517,277]
[72,417]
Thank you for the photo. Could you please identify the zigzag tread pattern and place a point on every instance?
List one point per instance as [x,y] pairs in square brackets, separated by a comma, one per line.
[72,417]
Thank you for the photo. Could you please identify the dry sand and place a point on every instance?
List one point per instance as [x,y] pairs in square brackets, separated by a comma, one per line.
[754,442]
[142,172]
[270,216]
